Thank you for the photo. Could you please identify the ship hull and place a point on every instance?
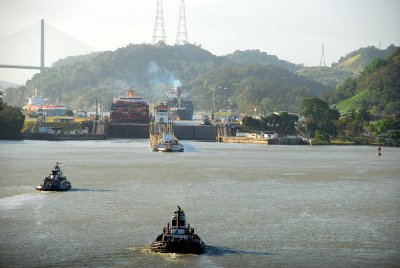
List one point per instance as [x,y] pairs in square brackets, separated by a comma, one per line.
[182,114]
[178,247]
[55,189]
[49,185]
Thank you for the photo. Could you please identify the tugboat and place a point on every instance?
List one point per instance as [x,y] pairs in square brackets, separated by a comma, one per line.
[56,181]
[168,143]
[162,138]
[178,237]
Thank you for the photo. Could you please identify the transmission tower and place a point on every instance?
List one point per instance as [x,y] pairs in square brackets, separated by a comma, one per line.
[159,28]
[322,60]
[181,36]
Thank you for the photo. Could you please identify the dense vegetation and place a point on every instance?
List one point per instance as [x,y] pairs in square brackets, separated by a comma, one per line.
[11,121]
[251,57]
[376,90]
[331,77]
[254,89]
[357,60]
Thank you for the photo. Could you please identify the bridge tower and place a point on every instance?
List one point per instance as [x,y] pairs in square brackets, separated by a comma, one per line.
[181,37]
[159,28]
[42,45]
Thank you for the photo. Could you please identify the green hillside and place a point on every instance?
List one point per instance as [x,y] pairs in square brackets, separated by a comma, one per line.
[357,60]
[328,76]
[377,89]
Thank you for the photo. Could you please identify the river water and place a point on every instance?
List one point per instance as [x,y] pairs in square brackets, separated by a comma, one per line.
[253,205]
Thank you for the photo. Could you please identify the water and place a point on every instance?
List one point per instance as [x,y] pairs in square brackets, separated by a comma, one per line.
[253,205]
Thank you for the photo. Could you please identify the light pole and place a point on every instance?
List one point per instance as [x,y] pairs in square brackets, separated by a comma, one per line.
[219,96]
[212,104]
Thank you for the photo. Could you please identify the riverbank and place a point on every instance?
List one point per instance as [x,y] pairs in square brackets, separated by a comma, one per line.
[62,137]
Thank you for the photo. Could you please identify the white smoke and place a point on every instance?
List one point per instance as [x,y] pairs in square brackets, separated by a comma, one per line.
[161,76]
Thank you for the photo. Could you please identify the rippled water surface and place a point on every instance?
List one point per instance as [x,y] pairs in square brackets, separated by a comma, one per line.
[253,205]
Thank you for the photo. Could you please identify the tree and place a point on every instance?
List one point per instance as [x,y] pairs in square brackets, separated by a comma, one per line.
[318,116]
[11,122]
[383,125]
[1,100]
[69,113]
[251,123]
[288,123]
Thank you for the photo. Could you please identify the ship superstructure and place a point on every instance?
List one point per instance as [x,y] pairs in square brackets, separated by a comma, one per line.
[180,106]
[39,105]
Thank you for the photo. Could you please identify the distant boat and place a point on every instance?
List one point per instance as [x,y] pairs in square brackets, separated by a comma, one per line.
[178,237]
[56,181]
[38,105]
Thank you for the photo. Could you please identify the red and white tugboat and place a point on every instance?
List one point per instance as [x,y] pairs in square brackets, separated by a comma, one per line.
[56,181]
[178,237]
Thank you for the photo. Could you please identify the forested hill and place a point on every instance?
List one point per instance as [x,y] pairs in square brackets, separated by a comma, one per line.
[152,69]
[357,60]
[348,66]
[250,57]
[262,88]
[78,81]
[377,89]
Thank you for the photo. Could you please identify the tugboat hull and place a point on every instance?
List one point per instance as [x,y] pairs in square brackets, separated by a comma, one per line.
[178,247]
[43,188]
[50,186]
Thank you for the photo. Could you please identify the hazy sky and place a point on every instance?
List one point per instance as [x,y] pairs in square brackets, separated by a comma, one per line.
[294,30]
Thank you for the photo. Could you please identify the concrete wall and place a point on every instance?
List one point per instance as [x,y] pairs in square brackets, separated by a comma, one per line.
[141,131]
[204,133]
[128,131]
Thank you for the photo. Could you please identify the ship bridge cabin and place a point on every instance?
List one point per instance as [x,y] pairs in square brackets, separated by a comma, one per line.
[178,226]
[178,222]
[161,114]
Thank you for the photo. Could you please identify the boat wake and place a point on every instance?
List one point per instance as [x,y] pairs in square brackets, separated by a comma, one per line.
[221,251]
[172,257]
[295,174]
[13,202]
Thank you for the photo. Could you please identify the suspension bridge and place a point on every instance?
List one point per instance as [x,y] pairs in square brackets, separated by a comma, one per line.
[36,48]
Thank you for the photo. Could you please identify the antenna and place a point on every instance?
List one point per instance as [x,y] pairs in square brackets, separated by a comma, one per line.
[159,28]
[181,36]
[322,60]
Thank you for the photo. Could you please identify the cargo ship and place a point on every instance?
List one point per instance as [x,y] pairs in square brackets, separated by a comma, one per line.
[180,107]
[130,109]
[38,105]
